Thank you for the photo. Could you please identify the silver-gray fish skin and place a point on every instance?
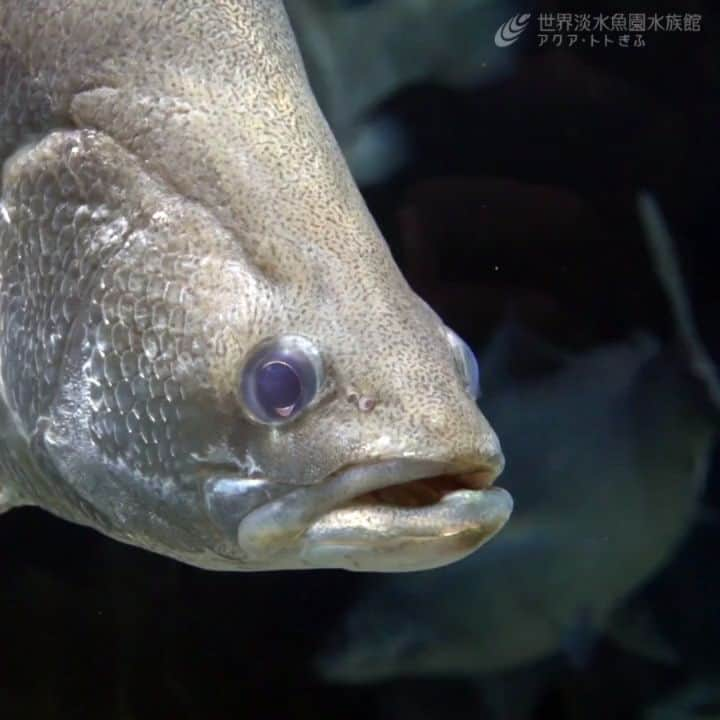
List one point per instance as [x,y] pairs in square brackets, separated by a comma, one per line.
[172,197]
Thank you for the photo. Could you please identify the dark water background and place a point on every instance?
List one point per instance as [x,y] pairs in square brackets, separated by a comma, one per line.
[517,194]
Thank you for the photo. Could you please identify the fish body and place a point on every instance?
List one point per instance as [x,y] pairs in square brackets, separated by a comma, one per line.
[608,455]
[206,348]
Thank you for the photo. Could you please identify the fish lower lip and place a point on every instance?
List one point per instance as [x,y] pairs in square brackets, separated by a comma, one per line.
[391,538]
[392,515]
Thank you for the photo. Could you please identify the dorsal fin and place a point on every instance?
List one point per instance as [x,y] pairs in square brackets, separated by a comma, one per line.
[662,251]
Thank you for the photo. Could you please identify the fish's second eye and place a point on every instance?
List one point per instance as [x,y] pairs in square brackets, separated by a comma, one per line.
[280,378]
[466,363]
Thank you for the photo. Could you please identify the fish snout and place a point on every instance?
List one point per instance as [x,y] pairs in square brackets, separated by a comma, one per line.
[462,438]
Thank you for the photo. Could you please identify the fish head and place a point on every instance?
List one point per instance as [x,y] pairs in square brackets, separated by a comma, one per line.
[358,406]
[351,436]
[271,403]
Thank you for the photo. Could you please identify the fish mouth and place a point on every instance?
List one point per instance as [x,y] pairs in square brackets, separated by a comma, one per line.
[386,516]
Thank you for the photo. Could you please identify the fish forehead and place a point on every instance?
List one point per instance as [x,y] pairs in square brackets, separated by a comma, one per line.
[378,338]
[214,98]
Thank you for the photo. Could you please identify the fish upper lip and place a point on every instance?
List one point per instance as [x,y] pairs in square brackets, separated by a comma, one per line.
[273,526]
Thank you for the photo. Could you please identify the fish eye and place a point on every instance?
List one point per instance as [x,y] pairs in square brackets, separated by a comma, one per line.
[280,378]
[466,362]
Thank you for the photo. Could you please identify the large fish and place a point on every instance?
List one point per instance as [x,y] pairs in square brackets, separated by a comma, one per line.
[206,348]
[608,458]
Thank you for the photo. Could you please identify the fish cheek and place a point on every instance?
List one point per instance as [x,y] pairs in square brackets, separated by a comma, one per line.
[132,413]
[326,438]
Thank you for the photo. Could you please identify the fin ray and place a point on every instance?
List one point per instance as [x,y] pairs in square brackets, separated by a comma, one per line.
[662,251]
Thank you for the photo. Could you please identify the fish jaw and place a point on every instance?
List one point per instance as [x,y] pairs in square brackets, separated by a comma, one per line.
[388,516]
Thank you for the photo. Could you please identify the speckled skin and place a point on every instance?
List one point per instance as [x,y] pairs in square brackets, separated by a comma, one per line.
[171,196]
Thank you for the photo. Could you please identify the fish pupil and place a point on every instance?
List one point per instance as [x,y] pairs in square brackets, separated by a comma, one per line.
[278,387]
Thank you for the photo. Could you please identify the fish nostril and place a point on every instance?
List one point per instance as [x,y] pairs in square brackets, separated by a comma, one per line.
[365,403]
